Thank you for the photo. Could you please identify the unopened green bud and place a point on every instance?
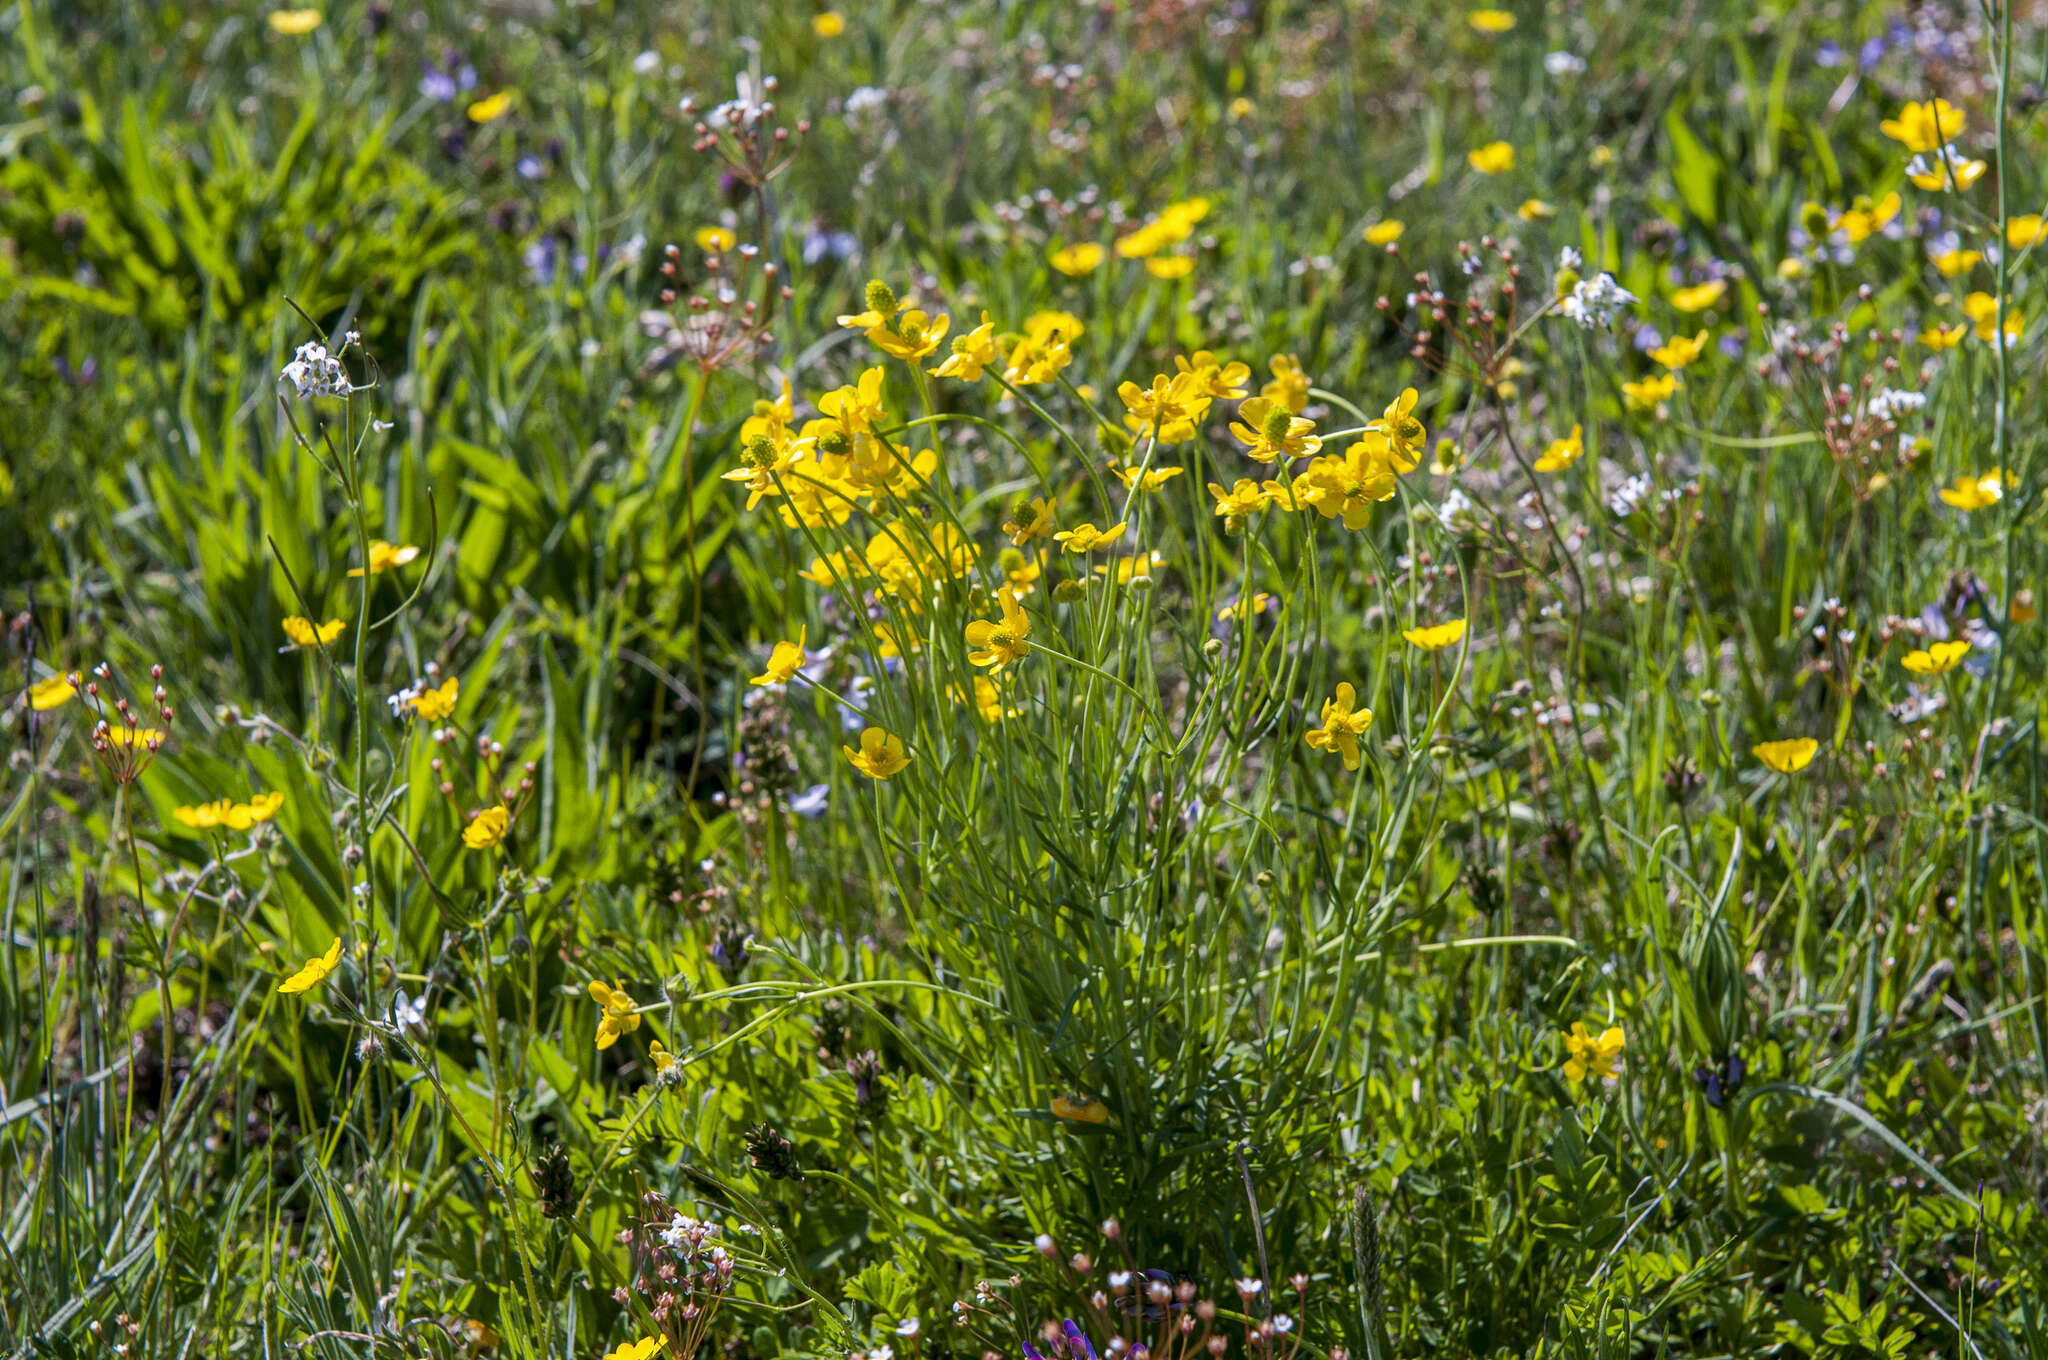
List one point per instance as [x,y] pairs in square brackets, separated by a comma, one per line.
[1814,218]
[1067,592]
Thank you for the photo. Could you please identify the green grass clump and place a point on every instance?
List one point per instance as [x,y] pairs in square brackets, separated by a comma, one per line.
[760,681]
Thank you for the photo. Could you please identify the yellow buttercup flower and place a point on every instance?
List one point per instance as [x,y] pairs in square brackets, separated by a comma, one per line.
[1083,257]
[1436,636]
[1345,486]
[294,23]
[384,556]
[1937,659]
[1953,262]
[202,815]
[145,738]
[1036,360]
[1136,567]
[662,1059]
[1040,327]
[1536,210]
[53,692]
[1700,296]
[1492,159]
[1254,603]
[1033,518]
[436,702]
[1925,127]
[1212,377]
[1151,479]
[986,700]
[913,334]
[647,1347]
[2028,229]
[1087,538]
[487,828]
[1342,726]
[1590,1056]
[783,661]
[1944,170]
[997,642]
[1290,384]
[1645,393]
[490,107]
[619,1016]
[1385,232]
[1170,266]
[1787,756]
[1079,1108]
[306,633]
[1404,432]
[1975,493]
[1678,351]
[972,353]
[1982,308]
[1273,433]
[314,972]
[233,816]
[880,756]
[1562,453]
[1020,571]
[1168,409]
[1490,21]
[1239,502]
[830,24]
[1864,218]
[716,240]
[1938,338]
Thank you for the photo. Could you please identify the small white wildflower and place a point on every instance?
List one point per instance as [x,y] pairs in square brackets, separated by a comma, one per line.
[647,63]
[1593,302]
[863,101]
[313,372]
[907,1327]
[1569,258]
[1564,63]
[1890,403]
[1629,496]
[1457,512]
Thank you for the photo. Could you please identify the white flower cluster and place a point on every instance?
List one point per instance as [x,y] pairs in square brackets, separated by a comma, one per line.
[1457,512]
[1629,496]
[688,1236]
[1890,403]
[1593,302]
[316,373]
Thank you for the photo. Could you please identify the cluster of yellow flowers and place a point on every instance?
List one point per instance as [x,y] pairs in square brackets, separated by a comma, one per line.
[1151,242]
[821,471]
[234,816]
